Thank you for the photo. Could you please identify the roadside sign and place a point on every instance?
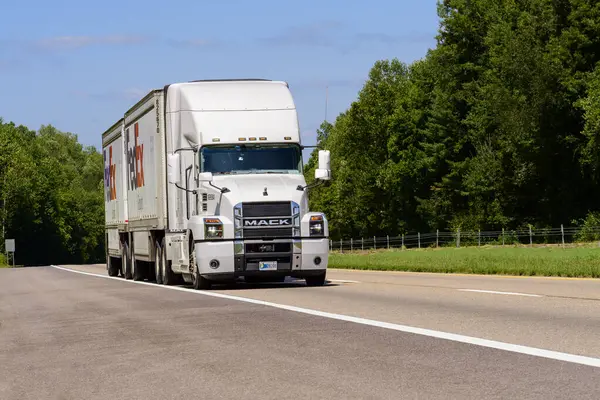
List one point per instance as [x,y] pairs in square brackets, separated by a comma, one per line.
[9,245]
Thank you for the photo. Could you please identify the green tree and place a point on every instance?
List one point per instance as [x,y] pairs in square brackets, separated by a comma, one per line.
[52,196]
[496,127]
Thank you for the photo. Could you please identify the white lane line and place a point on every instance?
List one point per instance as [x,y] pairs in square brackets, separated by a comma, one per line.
[342,281]
[495,292]
[515,348]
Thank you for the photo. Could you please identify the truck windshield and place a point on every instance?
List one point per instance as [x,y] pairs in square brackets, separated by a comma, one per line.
[251,159]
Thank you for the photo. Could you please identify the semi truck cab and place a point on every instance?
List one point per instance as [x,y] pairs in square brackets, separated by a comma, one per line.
[252,217]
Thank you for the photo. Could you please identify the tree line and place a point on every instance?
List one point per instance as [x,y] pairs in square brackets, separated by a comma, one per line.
[51,191]
[496,127]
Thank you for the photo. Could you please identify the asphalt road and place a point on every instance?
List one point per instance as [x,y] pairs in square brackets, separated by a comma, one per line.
[65,335]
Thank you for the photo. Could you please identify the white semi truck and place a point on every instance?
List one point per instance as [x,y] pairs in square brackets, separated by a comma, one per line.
[204,183]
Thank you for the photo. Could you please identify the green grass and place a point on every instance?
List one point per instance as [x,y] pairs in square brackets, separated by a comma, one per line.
[3,261]
[583,261]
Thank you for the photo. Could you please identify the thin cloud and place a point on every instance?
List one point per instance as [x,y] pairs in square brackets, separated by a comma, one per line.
[77,42]
[323,83]
[133,93]
[383,38]
[11,65]
[128,94]
[313,35]
[193,43]
[331,34]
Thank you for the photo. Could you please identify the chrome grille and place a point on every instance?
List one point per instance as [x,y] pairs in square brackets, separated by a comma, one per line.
[267,209]
[265,212]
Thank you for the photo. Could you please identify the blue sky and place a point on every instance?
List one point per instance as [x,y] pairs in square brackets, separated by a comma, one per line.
[79,65]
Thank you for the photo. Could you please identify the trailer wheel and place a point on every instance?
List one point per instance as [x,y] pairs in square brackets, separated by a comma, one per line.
[112,269]
[135,268]
[125,264]
[137,272]
[168,276]
[158,264]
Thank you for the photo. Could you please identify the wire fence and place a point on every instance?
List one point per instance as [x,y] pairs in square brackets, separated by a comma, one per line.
[531,237]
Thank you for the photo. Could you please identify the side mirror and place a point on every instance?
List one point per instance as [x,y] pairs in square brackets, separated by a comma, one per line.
[205,177]
[324,170]
[173,169]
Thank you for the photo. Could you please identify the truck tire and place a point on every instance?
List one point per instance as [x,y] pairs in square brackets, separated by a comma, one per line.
[168,276]
[198,282]
[125,263]
[110,265]
[137,273]
[317,280]
[158,264]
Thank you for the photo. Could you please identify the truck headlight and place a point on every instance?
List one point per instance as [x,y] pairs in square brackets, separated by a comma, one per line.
[316,225]
[213,228]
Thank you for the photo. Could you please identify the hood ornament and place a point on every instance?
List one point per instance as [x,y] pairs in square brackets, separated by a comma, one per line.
[265,192]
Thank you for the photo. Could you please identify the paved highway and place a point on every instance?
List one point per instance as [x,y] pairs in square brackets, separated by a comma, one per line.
[74,333]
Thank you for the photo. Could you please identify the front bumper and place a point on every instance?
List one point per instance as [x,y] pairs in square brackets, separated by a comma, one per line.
[297,258]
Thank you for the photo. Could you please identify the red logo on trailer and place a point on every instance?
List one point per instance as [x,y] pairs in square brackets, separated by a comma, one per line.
[135,160]
[110,174]
[139,158]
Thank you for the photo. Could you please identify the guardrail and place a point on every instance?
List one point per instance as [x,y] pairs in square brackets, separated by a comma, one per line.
[531,236]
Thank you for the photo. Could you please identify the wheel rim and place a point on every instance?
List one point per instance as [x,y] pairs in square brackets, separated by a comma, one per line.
[132,265]
[164,266]
[194,266]
[158,260]
[123,262]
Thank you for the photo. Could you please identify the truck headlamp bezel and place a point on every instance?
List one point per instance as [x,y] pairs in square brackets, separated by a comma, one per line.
[316,226]
[213,228]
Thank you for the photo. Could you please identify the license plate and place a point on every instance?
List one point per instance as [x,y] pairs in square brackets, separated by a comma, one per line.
[267,266]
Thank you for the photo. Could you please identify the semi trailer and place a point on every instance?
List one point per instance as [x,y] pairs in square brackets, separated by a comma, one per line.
[204,184]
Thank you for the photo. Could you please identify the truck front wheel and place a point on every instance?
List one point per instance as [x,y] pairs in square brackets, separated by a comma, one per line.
[198,282]
[317,280]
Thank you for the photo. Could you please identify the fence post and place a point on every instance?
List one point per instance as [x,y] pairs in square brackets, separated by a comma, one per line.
[351,244]
[362,243]
[419,234]
[330,244]
[388,241]
[562,232]
[375,242]
[341,245]
[458,237]
[530,237]
[437,238]
[479,238]
[502,236]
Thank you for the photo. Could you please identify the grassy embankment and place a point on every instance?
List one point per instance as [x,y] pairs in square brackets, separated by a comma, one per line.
[580,261]
[3,261]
